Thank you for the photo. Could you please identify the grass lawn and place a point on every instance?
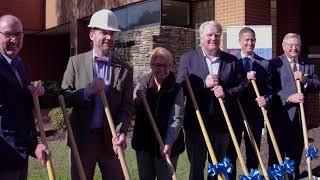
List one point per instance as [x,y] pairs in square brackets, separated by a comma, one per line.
[62,167]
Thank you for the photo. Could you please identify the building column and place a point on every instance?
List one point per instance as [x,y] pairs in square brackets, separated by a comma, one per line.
[242,12]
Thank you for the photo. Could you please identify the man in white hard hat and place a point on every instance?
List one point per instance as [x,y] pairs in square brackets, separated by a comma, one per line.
[86,75]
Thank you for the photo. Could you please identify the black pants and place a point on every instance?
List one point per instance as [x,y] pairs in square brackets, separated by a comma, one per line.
[197,151]
[15,174]
[290,141]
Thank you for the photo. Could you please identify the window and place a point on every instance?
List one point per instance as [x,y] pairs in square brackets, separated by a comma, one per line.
[145,13]
[203,11]
[175,13]
[139,14]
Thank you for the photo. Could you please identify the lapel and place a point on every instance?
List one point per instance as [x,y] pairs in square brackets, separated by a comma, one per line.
[9,74]
[89,65]
[302,65]
[222,63]
[255,65]
[287,74]
[255,62]
[118,73]
[115,71]
[203,67]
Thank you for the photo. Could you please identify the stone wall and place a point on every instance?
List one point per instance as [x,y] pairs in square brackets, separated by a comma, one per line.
[135,45]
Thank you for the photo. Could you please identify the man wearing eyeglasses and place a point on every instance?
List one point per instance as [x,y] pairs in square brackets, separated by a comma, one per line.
[86,75]
[18,135]
[284,112]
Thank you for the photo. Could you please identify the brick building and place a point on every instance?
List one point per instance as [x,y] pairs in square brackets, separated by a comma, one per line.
[56,29]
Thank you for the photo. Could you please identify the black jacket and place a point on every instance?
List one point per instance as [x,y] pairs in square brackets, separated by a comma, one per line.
[160,104]
[18,137]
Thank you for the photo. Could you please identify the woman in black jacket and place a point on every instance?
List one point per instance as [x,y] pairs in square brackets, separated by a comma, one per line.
[165,98]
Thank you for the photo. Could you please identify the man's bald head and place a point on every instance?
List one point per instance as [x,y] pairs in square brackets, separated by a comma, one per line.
[10,19]
[11,35]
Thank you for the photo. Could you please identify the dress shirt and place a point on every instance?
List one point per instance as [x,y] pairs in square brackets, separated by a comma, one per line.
[212,63]
[294,63]
[100,70]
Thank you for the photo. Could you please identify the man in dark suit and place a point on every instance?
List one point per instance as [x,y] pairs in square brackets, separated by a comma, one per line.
[284,113]
[86,75]
[254,68]
[213,74]
[18,135]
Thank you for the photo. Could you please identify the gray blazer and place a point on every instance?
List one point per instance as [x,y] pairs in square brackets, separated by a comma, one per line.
[284,83]
[78,75]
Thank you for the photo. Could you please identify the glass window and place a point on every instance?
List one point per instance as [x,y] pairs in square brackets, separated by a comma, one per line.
[144,13]
[122,15]
[203,11]
[139,14]
[175,13]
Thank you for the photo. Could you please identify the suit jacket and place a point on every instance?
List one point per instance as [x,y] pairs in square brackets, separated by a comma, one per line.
[284,85]
[264,83]
[78,75]
[193,63]
[18,137]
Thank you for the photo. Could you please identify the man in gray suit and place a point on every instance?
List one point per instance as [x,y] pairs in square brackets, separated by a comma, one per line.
[86,75]
[284,112]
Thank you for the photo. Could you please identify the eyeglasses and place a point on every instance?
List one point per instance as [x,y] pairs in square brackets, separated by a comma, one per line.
[159,65]
[12,35]
[293,45]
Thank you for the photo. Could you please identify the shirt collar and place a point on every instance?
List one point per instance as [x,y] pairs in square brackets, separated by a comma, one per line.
[249,56]
[9,60]
[296,60]
[216,58]
[108,56]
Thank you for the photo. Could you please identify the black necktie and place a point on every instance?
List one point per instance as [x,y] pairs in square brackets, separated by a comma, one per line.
[13,67]
[246,64]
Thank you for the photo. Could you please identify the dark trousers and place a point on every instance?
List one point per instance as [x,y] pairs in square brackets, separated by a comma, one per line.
[150,167]
[197,151]
[96,152]
[14,174]
[290,141]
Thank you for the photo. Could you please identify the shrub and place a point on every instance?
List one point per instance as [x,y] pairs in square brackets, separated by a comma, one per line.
[57,117]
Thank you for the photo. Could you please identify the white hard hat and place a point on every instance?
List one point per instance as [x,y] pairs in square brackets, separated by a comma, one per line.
[104,19]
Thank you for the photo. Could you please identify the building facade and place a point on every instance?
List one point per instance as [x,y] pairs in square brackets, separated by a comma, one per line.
[56,29]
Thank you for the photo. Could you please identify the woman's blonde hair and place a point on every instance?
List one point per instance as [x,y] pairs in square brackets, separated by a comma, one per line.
[162,53]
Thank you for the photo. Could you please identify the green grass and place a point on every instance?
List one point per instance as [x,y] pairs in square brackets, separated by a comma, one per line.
[61,164]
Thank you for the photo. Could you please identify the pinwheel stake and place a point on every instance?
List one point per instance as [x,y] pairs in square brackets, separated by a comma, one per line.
[305,131]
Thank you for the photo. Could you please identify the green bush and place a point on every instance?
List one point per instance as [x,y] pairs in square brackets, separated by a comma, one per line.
[57,117]
[52,87]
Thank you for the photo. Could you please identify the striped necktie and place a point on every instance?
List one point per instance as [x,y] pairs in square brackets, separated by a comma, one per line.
[293,65]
